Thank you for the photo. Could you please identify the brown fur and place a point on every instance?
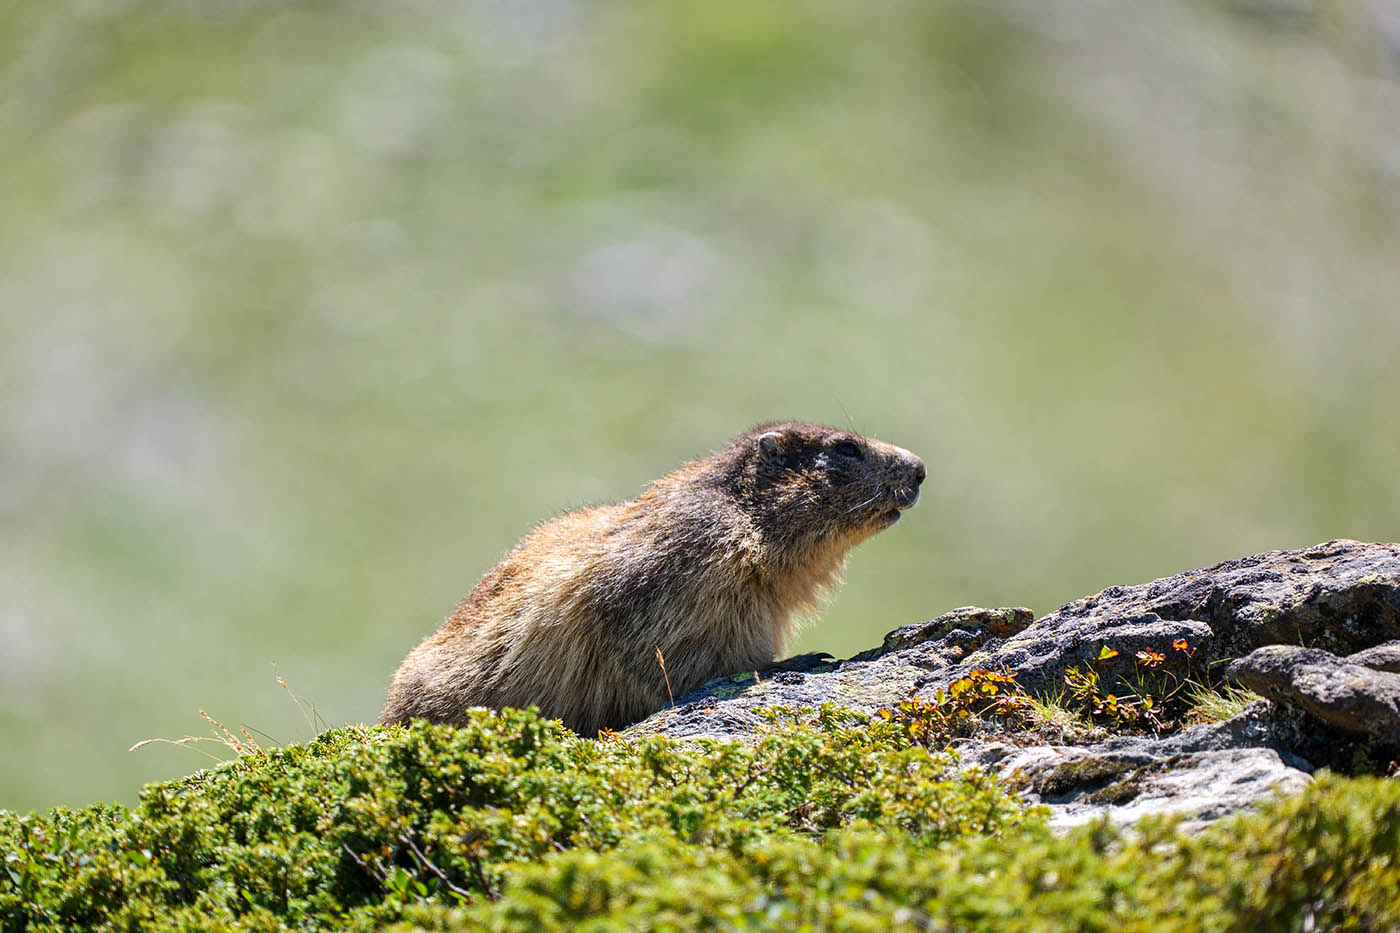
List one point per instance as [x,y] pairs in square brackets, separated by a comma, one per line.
[712,565]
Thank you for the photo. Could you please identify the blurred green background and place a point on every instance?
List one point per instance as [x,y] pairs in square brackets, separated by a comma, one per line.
[308,311]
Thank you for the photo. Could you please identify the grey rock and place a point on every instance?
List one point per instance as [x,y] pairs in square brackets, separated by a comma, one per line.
[1042,653]
[1199,774]
[1255,727]
[1342,597]
[1000,622]
[1354,699]
[1384,657]
[880,678]
[1084,784]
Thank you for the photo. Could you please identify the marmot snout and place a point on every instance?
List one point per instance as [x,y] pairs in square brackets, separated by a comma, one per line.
[711,565]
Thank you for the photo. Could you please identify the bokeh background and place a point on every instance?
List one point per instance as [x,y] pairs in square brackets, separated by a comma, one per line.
[309,310]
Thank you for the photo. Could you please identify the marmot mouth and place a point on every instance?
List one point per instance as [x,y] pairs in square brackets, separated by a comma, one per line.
[905,498]
[891,516]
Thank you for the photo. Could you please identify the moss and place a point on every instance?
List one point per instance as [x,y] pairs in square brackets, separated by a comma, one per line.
[1130,787]
[1076,775]
[827,820]
[1117,793]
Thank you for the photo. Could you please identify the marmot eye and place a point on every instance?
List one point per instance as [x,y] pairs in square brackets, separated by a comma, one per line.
[850,449]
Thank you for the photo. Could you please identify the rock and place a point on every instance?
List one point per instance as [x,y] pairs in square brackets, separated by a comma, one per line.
[1042,653]
[998,622]
[881,677]
[1200,774]
[1384,657]
[1079,785]
[1355,699]
[1342,597]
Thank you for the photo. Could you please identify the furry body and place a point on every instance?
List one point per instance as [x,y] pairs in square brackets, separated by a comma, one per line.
[712,565]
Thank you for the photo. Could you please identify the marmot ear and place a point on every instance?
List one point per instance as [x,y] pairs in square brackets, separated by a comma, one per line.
[772,448]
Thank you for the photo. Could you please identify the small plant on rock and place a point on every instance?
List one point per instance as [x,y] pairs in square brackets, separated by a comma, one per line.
[1157,696]
[962,708]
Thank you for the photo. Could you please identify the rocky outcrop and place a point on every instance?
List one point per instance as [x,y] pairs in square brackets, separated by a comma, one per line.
[1384,657]
[1342,596]
[911,659]
[1200,773]
[1356,699]
[1316,631]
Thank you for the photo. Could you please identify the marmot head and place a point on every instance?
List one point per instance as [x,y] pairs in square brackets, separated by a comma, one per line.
[827,482]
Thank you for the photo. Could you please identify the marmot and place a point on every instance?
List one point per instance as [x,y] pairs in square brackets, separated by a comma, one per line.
[710,566]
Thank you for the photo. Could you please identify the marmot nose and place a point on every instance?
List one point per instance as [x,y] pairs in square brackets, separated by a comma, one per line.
[919,473]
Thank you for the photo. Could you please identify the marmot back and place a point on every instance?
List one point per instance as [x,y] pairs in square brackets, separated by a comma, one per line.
[711,565]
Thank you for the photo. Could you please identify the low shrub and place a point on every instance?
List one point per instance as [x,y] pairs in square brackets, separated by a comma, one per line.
[364,822]
[1327,860]
[827,821]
